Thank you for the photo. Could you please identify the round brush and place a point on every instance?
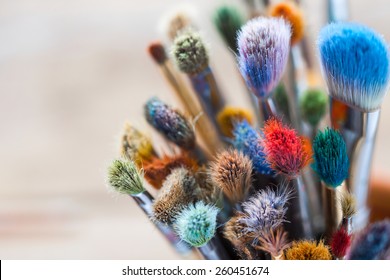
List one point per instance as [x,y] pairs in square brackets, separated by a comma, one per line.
[340,243]
[355,65]
[308,250]
[124,177]
[274,242]
[229,116]
[348,207]
[196,224]
[174,126]
[263,45]
[331,164]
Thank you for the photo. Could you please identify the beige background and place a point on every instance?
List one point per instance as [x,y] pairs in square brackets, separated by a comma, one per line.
[71,72]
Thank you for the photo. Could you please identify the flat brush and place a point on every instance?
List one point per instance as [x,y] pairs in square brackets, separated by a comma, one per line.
[125,178]
[186,97]
[191,57]
[355,65]
[196,224]
[174,126]
[263,45]
[331,164]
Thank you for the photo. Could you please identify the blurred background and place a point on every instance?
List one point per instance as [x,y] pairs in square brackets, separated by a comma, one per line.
[71,73]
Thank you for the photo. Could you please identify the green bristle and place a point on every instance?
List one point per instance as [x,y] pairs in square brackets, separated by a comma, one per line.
[313,106]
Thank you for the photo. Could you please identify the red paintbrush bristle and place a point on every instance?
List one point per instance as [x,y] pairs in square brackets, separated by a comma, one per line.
[157,51]
[284,148]
[340,243]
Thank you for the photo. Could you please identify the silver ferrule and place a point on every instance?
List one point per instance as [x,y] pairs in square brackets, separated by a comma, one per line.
[145,201]
[346,223]
[267,108]
[332,209]
[338,10]
[359,132]
[214,250]
[298,213]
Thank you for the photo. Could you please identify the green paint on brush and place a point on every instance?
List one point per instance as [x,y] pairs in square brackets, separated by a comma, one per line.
[313,106]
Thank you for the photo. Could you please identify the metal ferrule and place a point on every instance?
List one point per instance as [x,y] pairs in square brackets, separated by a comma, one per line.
[267,108]
[359,131]
[213,250]
[346,223]
[332,209]
[338,10]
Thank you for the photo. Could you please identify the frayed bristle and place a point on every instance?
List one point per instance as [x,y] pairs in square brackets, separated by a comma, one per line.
[232,172]
[178,22]
[373,243]
[157,52]
[170,123]
[229,116]
[348,205]
[330,157]
[196,223]
[228,21]
[136,146]
[308,250]
[340,243]
[246,139]
[292,14]
[313,106]
[284,149]
[159,168]
[208,191]
[190,52]
[274,242]
[124,177]
[265,210]
[175,194]
[355,64]
[263,45]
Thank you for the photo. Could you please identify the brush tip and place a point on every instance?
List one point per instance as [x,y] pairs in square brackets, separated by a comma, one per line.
[355,63]
[263,45]
[340,243]
[313,106]
[124,177]
[157,52]
[308,250]
[229,115]
[348,205]
[196,224]
[330,157]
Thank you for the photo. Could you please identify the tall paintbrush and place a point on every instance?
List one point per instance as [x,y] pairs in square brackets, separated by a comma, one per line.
[263,51]
[331,164]
[124,177]
[189,102]
[355,65]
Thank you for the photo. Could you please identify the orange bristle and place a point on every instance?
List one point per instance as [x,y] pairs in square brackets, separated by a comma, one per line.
[157,52]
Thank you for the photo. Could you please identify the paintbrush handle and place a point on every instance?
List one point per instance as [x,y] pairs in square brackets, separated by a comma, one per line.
[214,250]
[267,108]
[338,10]
[145,200]
[332,209]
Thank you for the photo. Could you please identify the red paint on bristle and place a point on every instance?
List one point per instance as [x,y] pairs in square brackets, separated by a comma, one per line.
[157,51]
[284,148]
[340,243]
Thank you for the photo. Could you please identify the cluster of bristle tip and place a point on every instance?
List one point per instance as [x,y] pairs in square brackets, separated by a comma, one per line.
[239,189]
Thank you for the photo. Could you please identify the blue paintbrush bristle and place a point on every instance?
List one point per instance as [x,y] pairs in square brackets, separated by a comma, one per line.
[263,46]
[330,157]
[355,63]
[247,140]
[170,123]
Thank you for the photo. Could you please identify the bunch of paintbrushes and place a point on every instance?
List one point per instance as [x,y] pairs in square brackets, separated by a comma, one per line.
[264,182]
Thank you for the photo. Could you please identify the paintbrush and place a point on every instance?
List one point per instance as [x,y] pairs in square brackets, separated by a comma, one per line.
[308,250]
[340,243]
[229,116]
[355,65]
[348,207]
[125,178]
[274,242]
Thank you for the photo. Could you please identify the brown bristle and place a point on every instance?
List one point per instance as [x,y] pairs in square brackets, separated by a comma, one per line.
[232,172]
[348,205]
[308,250]
[157,51]
[175,194]
[158,169]
[208,191]
[229,116]
[273,242]
[178,23]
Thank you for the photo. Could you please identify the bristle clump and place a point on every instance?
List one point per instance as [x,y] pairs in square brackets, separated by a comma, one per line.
[228,21]
[263,45]
[313,106]
[170,123]
[348,205]
[340,243]
[373,243]
[247,140]
[293,14]
[190,53]
[330,157]
[274,242]
[308,250]
[265,210]
[232,172]
[158,169]
[229,116]
[124,177]
[284,149]
[197,223]
[355,63]
[157,51]
[177,191]
[179,21]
